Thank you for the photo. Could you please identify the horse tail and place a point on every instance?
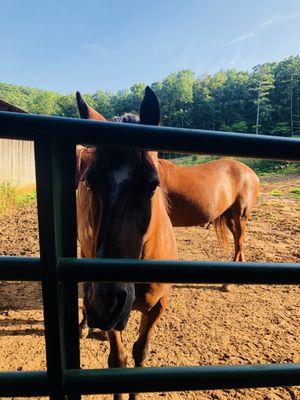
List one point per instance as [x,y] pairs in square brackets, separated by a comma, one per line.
[221,229]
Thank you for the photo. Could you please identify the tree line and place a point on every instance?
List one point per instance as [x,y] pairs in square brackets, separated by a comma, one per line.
[265,100]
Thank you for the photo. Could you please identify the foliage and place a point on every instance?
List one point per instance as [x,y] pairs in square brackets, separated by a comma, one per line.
[276,193]
[261,167]
[240,127]
[295,192]
[266,100]
[11,197]
[281,129]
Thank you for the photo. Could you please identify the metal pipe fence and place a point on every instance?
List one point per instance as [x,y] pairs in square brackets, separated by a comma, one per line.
[59,270]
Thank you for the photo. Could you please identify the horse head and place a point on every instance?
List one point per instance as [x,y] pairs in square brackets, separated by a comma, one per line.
[123,188]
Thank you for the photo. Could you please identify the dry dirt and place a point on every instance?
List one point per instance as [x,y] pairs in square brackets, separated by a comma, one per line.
[203,325]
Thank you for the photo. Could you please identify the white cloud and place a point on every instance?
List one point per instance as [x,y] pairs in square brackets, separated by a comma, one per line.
[273,20]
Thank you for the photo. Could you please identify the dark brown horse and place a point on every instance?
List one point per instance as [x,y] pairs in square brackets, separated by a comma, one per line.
[221,192]
[121,213]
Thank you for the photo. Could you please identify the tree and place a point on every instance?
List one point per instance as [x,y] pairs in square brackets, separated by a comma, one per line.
[266,100]
[103,104]
[263,84]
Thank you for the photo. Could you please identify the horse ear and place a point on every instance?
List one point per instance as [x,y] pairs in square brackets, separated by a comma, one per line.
[87,112]
[150,110]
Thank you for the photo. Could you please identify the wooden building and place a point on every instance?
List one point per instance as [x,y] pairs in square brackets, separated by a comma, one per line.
[16,156]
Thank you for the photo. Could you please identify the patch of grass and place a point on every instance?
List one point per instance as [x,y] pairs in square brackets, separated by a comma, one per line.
[7,196]
[295,193]
[193,160]
[12,197]
[277,193]
[267,167]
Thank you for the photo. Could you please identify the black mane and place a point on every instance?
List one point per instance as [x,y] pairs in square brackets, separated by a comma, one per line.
[127,118]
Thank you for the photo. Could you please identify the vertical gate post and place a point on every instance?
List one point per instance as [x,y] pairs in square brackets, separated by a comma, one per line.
[64,167]
[55,166]
[48,255]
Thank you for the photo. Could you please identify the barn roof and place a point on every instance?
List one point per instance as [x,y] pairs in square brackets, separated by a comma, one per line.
[4,106]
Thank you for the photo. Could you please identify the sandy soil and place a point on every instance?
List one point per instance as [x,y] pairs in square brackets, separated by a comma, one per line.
[203,325]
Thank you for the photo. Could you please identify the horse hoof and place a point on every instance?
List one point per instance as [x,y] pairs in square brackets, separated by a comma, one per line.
[103,335]
[224,288]
[84,333]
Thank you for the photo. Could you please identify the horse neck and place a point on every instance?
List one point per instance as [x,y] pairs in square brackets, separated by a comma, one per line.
[166,170]
[159,241]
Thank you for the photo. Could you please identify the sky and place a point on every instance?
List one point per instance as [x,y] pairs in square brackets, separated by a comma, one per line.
[65,45]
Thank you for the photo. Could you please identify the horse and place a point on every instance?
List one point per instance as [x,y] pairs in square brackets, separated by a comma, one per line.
[122,213]
[221,192]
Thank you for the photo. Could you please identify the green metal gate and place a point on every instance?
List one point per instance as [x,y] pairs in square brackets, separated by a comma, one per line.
[59,270]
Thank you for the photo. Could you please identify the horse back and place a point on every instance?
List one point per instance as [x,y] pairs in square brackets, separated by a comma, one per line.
[199,194]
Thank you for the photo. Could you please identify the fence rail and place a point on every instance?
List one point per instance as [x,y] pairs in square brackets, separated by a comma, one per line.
[59,271]
[84,270]
[112,134]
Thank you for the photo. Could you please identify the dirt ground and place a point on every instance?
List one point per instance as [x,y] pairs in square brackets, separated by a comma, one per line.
[203,325]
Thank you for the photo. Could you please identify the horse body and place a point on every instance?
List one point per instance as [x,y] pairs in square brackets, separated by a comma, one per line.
[222,192]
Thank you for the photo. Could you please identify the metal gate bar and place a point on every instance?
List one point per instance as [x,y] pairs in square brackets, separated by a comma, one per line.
[154,379]
[113,134]
[55,164]
[165,379]
[29,384]
[83,270]
[49,256]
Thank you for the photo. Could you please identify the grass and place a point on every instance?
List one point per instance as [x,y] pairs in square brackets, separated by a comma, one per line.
[277,193]
[295,193]
[261,167]
[12,197]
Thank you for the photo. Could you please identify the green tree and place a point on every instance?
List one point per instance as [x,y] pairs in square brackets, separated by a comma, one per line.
[266,100]
[263,80]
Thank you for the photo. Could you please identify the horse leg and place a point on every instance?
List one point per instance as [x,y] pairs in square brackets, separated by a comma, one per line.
[240,223]
[83,326]
[117,357]
[148,322]
[230,225]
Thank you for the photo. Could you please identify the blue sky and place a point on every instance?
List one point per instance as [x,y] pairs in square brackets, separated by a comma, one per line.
[65,45]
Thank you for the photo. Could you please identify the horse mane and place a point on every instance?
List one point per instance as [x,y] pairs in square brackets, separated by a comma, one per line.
[127,118]
[167,166]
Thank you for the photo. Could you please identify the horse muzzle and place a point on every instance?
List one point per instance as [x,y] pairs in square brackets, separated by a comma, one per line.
[117,300]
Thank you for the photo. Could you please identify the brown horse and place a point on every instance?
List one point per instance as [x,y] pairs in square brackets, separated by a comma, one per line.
[221,192]
[121,213]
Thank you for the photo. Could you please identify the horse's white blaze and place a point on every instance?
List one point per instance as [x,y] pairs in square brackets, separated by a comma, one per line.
[119,176]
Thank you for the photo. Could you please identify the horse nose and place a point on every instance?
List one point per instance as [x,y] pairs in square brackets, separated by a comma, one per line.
[118,299]
[118,305]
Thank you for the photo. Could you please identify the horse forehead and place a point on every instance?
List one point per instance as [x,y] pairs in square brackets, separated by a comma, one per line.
[121,173]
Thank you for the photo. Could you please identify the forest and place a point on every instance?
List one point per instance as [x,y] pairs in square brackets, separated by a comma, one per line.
[264,100]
